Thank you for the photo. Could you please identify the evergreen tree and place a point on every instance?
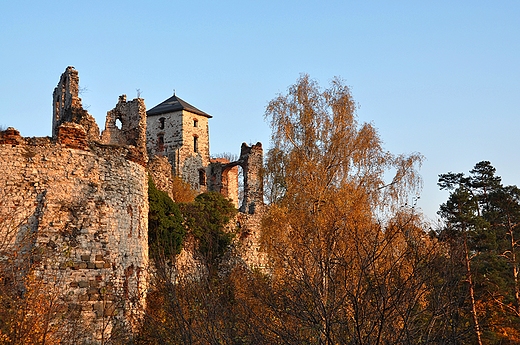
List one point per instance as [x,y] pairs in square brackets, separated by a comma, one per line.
[481,217]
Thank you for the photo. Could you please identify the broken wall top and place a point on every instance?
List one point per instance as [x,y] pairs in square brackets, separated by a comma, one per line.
[68,113]
[67,105]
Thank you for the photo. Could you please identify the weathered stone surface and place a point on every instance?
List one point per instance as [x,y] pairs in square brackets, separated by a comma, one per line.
[10,137]
[131,132]
[182,137]
[80,205]
[223,178]
[83,284]
[161,171]
[67,106]
[251,158]
[73,136]
[81,199]
[247,244]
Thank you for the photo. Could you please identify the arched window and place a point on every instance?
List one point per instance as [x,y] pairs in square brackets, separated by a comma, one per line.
[161,123]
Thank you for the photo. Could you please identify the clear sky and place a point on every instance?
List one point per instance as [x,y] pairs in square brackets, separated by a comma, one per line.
[437,77]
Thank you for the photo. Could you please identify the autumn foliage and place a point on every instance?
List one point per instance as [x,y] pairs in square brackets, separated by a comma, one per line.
[350,259]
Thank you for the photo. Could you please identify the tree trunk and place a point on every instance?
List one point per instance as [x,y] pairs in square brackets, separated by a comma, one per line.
[471,290]
[515,267]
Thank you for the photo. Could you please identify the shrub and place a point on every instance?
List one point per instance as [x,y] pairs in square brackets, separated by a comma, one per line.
[165,229]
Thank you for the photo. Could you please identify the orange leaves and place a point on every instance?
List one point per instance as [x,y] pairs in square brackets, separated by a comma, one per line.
[181,191]
[321,147]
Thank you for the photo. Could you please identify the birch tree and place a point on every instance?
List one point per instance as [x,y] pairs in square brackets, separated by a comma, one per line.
[346,250]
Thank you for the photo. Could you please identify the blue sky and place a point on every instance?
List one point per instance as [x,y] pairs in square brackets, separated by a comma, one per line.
[441,78]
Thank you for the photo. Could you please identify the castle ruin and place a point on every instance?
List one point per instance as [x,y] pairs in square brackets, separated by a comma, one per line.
[180,132]
[75,205]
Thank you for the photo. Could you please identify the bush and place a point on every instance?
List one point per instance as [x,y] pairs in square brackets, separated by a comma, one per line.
[165,229]
[207,218]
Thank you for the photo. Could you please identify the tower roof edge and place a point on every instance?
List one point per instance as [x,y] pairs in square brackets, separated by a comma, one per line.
[172,104]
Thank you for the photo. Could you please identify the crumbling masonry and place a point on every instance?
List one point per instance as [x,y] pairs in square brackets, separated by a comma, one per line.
[76,206]
[76,203]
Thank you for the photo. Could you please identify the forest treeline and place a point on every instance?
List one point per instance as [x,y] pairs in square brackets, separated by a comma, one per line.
[351,261]
[350,258]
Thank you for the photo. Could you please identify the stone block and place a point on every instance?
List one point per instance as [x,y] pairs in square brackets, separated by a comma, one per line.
[98,307]
[74,307]
[110,309]
[10,136]
[61,308]
[93,291]
[79,265]
[83,284]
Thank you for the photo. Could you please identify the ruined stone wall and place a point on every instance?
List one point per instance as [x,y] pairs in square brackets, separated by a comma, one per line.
[87,211]
[161,172]
[67,105]
[230,184]
[75,207]
[248,241]
[223,178]
[131,116]
[251,158]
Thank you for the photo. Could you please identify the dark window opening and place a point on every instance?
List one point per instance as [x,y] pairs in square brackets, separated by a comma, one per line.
[195,144]
[195,123]
[160,143]
[161,123]
[202,177]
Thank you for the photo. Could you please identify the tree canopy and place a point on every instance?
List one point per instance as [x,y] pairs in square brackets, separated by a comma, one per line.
[482,218]
[343,252]
[318,147]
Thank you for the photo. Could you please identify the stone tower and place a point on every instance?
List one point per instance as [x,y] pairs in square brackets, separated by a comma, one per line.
[179,131]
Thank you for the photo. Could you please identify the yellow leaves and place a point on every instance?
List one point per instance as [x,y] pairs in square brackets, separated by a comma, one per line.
[332,256]
[4,338]
[318,141]
[181,191]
